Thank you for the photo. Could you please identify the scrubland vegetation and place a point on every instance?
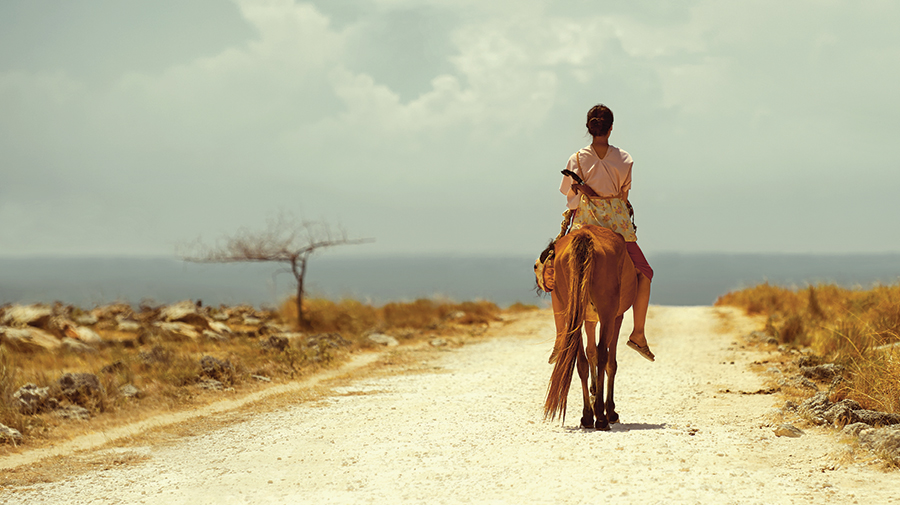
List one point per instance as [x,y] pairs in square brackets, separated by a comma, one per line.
[167,371]
[858,329]
[356,318]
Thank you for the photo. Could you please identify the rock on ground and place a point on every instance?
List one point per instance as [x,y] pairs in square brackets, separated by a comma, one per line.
[824,372]
[788,430]
[382,339]
[885,441]
[28,339]
[10,435]
[86,335]
[185,312]
[34,400]
[26,315]
[80,388]
[214,368]
[74,412]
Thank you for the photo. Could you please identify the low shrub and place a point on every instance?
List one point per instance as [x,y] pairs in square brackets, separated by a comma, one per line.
[859,329]
[354,318]
[9,384]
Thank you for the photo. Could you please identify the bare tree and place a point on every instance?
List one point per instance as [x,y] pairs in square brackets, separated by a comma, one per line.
[284,240]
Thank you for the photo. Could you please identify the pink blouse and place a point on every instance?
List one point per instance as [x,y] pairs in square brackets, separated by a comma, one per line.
[609,176]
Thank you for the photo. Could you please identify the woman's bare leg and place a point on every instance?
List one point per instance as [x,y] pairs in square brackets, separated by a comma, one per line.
[641,304]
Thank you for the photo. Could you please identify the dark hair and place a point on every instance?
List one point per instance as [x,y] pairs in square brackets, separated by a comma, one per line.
[599,120]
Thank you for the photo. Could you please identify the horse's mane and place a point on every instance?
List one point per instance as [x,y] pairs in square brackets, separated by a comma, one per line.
[547,250]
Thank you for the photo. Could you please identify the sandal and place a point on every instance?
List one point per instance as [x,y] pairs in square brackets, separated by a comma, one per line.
[642,350]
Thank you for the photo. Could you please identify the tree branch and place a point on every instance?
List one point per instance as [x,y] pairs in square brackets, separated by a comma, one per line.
[284,240]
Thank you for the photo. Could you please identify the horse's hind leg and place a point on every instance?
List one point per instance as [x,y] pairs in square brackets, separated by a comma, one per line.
[590,330]
[603,411]
[611,367]
[587,415]
[601,422]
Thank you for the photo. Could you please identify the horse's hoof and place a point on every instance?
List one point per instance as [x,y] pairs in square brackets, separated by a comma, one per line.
[613,418]
[601,425]
[587,422]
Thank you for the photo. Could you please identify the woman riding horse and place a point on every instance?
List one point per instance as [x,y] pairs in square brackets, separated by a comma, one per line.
[603,201]
[595,273]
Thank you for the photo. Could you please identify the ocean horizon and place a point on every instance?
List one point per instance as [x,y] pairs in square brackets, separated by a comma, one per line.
[680,278]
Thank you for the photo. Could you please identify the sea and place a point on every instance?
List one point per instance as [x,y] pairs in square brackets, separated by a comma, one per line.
[680,278]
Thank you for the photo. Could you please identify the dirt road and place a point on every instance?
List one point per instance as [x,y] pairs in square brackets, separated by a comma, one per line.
[467,428]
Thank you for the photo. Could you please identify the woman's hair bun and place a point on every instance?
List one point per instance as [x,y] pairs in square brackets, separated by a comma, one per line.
[599,120]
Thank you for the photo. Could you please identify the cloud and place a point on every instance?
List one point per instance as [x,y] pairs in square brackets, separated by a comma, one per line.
[443,112]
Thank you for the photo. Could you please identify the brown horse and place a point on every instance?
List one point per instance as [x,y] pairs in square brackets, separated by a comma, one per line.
[592,267]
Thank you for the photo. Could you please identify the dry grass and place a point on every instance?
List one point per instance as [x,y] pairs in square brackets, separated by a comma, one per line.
[518,308]
[353,318]
[167,372]
[9,380]
[859,329]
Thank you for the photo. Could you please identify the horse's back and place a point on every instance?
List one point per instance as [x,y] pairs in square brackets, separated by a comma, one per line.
[615,275]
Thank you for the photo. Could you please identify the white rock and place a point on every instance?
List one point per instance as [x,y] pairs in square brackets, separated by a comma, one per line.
[28,339]
[23,315]
[179,329]
[216,337]
[177,311]
[77,346]
[219,327]
[382,339]
[129,326]
[129,391]
[185,312]
[86,319]
[86,335]
[8,434]
[788,430]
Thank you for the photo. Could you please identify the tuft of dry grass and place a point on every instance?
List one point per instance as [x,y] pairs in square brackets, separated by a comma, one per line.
[346,317]
[519,307]
[859,329]
[9,383]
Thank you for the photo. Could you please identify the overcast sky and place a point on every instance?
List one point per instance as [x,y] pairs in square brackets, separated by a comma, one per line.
[440,126]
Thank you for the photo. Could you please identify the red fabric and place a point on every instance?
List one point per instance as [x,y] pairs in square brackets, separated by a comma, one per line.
[640,262]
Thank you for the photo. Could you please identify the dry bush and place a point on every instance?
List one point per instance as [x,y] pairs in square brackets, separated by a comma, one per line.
[347,316]
[354,318]
[9,413]
[481,312]
[418,314]
[874,382]
[857,328]
[762,299]
[519,307]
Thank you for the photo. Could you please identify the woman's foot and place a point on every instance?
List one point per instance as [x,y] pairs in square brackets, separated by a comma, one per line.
[643,350]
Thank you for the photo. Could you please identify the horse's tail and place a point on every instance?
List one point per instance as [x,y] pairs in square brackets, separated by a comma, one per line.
[579,262]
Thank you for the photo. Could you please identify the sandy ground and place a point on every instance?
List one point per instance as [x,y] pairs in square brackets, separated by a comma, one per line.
[467,428]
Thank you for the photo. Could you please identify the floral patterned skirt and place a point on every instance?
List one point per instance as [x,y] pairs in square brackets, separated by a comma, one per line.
[608,212]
